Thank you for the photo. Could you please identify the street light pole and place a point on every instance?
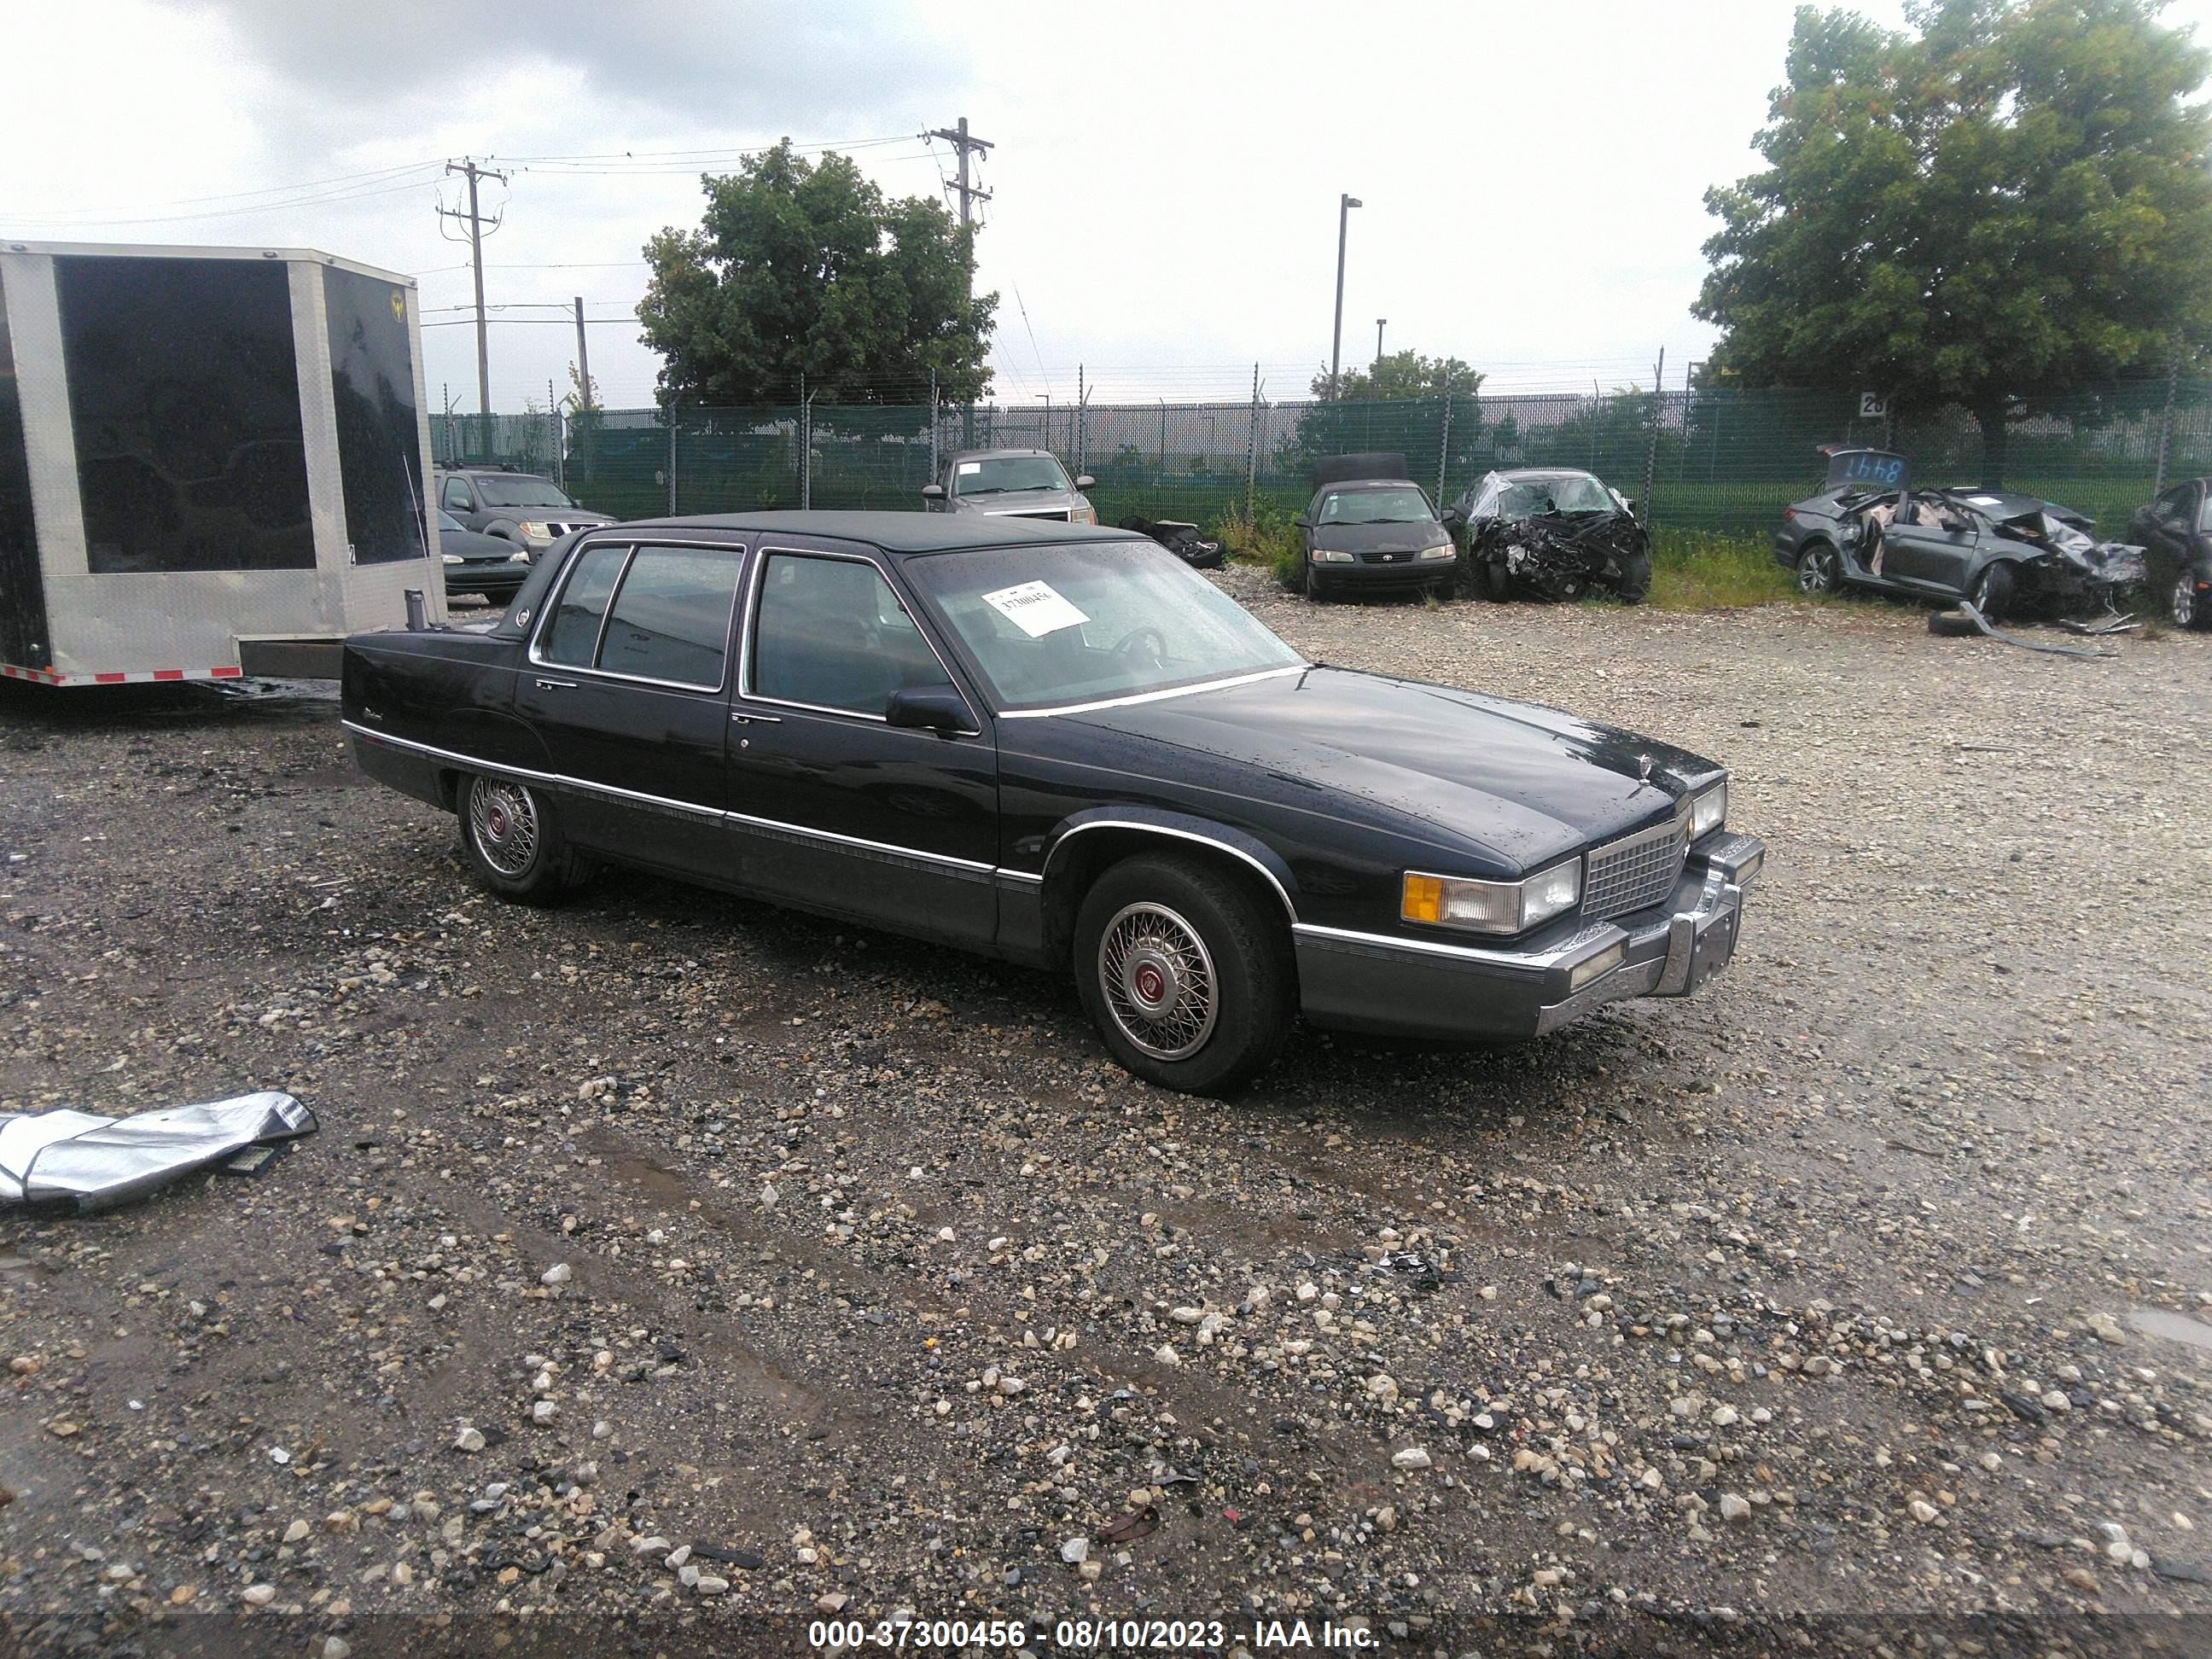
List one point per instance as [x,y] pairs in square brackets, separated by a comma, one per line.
[1344,206]
[1379,321]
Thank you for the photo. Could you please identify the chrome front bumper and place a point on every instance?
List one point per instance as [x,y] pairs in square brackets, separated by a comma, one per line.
[1425,987]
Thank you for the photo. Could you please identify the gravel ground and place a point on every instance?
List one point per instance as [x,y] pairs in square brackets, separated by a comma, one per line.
[663,1253]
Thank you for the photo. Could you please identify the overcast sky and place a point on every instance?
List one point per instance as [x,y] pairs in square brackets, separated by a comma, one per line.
[1165,177]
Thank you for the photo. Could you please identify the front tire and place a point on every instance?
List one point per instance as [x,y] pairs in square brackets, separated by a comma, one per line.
[513,835]
[1496,580]
[1635,584]
[1315,592]
[1186,974]
[1992,593]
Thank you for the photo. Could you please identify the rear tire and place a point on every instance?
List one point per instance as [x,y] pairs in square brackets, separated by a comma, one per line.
[2187,605]
[1186,974]
[1820,570]
[1992,593]
[512,832]
[1635,586]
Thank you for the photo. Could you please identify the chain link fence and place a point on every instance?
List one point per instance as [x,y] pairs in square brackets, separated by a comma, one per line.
[1706,459]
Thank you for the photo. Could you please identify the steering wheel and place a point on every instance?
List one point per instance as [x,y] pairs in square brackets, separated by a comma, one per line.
[1146,645]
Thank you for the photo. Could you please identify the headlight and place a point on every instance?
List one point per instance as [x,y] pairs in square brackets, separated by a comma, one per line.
[453,558]
[1491,906]
[1708,810]
[1444,551]
[536,532]
[1330,555]
[1083,515]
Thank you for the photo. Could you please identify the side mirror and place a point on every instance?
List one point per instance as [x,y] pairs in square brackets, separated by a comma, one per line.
[1303,522]
[1629,502]
[937,708]
[931,492]
[1085,481]
[1454,518]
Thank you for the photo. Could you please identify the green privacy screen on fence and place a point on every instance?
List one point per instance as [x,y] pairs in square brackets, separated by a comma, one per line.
[1715,460]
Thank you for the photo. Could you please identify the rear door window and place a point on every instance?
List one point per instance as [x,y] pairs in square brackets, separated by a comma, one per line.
[571,637]
[671,620]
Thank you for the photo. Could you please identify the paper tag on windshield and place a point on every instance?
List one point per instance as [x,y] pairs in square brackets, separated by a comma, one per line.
[966,467]
[1036,608]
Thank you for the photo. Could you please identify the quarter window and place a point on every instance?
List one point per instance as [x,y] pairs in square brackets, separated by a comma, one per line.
[573,635]
[671,619]
[831,633]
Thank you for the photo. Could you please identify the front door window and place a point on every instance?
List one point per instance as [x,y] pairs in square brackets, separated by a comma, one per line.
[830,634]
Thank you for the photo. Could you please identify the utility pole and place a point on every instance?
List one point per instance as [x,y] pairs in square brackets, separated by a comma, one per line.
[469,170]
[583,359]
[1344,206]
[1379,321]
[962,145]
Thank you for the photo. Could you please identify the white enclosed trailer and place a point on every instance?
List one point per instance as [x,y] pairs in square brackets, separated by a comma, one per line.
[211,461]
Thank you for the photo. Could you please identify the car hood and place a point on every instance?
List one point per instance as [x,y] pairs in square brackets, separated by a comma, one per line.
[1019,502]
[1380,538]
[1521,782]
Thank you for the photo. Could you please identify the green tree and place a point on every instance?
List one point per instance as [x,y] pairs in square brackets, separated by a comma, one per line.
[1399,376]
[2007,201]
[805,269]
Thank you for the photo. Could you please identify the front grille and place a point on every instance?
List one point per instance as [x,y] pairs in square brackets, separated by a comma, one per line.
[1386,558]
[1637,870]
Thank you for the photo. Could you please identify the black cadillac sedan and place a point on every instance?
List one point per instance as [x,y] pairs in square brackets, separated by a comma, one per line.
[1059,745]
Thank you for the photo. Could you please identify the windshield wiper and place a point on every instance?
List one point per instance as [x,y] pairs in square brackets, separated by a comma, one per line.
[988,489]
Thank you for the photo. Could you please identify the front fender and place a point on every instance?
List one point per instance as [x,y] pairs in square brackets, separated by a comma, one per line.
[1068,838]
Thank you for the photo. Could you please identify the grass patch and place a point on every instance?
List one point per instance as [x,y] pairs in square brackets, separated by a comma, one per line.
[1267,538]
[1707,570]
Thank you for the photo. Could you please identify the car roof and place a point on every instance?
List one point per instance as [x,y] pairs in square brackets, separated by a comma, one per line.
[993,455]
[489,472]
[1337,486]
[896,533]
[1538,474]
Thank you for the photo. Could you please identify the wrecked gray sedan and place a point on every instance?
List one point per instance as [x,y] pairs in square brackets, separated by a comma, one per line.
[2002,551]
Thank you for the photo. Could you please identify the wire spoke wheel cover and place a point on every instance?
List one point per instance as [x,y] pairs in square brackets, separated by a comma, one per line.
[503,823]
[1159,981]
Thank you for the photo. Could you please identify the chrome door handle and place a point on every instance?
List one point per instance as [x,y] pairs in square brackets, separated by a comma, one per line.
[556,685]
[742,719]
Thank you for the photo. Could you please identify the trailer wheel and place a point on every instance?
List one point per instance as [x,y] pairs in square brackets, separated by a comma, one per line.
[513,834]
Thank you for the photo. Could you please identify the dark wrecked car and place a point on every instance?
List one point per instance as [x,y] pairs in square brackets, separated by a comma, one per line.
[1370,529]
[1181,538]
[2000,551]
[1061,747]
[2176,532]
[1552,534]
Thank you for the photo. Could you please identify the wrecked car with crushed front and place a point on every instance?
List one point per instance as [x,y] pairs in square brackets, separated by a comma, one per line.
[1062,747]
[1998,550]
[1553,533]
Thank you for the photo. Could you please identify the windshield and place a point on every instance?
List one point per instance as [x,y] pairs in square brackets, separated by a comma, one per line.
[1577,493]
[1064,624]
[521,492]
[1401,506]
[996,475]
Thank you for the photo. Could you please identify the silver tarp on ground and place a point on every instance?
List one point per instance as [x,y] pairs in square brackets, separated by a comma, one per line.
[101,1161]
